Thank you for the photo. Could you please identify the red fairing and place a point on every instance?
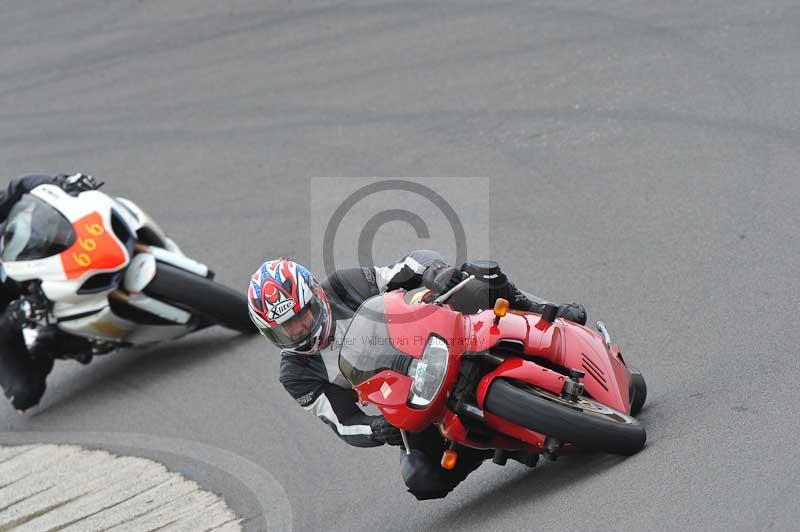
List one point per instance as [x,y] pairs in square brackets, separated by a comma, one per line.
[607,378]
[563,343]
[453,429]
[388,390]
[546,351]
[409,328]
[533,439]
[411,325]
[522,370]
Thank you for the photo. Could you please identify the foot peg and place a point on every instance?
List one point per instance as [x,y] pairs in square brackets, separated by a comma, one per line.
[551,447]
[500,457]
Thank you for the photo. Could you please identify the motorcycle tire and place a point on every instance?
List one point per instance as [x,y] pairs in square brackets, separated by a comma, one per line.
[639,391]
[200,296]
[584,423]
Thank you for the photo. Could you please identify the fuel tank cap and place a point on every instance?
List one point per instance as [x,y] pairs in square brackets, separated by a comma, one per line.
[490,283]
[487,270]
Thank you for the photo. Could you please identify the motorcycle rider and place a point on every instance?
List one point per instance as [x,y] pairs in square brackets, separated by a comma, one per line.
[23,371]
[307,320]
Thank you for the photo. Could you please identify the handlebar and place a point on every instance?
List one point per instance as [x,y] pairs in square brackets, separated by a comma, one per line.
[444,297]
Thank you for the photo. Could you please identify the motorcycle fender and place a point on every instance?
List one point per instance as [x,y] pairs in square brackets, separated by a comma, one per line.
[503,426]
[521,370]
[140,272]
[159,308]
[179,261]
[451,428]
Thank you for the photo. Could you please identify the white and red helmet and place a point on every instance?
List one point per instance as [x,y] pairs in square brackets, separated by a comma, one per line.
[289,307]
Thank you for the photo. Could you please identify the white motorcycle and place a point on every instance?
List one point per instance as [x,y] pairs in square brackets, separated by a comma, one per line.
[106,272]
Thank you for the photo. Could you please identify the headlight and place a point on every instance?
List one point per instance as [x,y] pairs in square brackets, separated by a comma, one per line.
[428,372]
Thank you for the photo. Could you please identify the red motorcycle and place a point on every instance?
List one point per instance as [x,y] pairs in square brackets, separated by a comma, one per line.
[519,383]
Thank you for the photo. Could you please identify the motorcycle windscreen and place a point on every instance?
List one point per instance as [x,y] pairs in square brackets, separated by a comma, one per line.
[35,230]
[367,348]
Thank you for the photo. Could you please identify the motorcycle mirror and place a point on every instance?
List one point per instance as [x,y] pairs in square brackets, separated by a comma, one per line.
[601,328]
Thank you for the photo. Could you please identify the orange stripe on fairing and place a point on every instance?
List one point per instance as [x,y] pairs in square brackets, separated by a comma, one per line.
[95,248]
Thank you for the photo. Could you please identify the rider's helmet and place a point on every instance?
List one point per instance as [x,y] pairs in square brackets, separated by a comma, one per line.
[289,307]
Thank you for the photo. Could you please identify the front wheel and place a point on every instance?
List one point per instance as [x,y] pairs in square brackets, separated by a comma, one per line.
[201,296]
[585,423]
[639,391]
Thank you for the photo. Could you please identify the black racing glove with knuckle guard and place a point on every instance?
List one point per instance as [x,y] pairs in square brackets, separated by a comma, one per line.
[441,277]
[76,183]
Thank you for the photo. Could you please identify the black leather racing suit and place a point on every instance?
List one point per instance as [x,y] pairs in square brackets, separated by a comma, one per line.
[317,385]
[22,376]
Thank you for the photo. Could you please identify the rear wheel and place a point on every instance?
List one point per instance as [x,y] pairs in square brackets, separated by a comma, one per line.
[211,301]
[585,423]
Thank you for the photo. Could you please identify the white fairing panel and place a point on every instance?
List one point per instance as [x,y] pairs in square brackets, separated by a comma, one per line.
[66,311]
[145,220]
[86,313]
[61,279]
[149,334]
[140,272]
[181,261]
[160,309]
[103,325]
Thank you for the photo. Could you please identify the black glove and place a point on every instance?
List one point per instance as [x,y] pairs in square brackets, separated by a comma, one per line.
[24,379]
[447,279]
[430,273]
[572,312]
[77,183]
[439,277]
[26,311]
[385,432]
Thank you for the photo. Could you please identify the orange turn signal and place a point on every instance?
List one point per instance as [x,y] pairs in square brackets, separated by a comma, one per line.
[500,307]
[449,459]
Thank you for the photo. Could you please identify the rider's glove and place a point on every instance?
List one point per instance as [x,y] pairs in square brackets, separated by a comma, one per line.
[572,312]
[430,273]
[385,432]
[447,279]
[439,277]
[77,183]
[26,311]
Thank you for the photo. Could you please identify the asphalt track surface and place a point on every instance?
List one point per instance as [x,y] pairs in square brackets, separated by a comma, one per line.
[641,158]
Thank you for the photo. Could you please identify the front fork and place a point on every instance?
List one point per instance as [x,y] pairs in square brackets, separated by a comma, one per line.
[406,444]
